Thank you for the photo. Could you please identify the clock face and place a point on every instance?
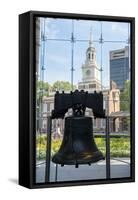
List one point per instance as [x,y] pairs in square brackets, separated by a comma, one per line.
[88,72]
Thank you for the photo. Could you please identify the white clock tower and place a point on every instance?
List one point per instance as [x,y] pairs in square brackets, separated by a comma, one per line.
[90,70]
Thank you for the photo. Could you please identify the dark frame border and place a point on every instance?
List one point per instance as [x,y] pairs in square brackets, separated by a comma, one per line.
[30,141]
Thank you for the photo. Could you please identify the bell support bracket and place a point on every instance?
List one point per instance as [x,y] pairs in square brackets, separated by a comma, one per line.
[78,101]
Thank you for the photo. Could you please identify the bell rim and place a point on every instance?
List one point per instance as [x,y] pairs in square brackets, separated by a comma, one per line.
[93,159]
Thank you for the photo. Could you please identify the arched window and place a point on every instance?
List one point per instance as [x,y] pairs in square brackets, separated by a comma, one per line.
[92,56]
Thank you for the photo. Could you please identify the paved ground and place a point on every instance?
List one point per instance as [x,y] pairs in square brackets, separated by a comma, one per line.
[95,171]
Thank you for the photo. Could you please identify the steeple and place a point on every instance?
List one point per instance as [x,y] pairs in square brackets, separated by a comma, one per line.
[90,69]
[90,40]
[91,51]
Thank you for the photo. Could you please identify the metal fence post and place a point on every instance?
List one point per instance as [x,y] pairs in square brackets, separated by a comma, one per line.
[107,149]
[48,149]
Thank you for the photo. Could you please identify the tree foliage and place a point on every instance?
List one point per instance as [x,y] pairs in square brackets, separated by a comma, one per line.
[62,85]
[44,88]
[125,97]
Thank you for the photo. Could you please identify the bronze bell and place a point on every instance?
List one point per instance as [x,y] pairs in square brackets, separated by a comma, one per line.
[78,145]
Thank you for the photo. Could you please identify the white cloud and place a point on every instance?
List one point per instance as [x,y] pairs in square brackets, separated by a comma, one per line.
[58,59]
[119,28]
[50,28]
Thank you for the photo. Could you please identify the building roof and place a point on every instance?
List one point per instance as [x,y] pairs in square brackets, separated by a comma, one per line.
[90,49]
[120,114]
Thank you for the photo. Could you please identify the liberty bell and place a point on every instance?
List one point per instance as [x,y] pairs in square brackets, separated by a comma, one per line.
[78,145]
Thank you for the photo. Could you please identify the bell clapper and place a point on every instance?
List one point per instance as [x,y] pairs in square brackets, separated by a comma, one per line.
[76,165]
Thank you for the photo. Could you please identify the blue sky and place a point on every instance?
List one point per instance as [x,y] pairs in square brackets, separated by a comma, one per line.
[57,58]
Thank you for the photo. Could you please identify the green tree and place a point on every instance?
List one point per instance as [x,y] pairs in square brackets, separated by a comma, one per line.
[125,97]
[43,88]
[62,85]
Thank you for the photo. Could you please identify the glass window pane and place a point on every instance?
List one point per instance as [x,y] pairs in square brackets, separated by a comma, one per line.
[91,56]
